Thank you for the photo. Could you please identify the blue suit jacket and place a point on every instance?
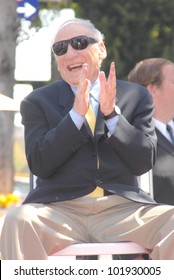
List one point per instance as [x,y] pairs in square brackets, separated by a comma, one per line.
[65,159]
[163,171]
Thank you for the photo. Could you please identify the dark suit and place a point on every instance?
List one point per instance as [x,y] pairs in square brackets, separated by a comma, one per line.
[163,171]
[65,159]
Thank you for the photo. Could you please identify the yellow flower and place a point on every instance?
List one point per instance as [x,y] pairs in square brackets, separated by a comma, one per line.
[7,200]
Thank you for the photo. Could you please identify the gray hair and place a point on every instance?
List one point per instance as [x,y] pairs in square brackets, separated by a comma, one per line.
[86,23]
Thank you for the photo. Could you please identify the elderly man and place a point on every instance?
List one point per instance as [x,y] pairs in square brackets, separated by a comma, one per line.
[87,139]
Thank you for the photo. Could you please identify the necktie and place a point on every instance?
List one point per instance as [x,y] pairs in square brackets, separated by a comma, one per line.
[91,119]
[170,131]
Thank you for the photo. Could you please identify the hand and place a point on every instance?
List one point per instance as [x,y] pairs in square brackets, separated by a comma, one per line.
[81,102]
[108,91]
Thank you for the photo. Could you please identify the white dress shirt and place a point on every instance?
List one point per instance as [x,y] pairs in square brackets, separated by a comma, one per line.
[162,128]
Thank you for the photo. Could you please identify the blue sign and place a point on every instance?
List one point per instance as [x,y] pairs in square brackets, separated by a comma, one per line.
[27,9]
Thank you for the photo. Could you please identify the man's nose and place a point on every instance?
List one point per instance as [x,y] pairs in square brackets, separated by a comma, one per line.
[70,50]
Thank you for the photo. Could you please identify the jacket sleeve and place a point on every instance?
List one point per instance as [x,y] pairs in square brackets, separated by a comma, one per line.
[48,146]
[134,138]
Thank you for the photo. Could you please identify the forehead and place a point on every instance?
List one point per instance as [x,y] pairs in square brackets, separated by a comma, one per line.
[71,30]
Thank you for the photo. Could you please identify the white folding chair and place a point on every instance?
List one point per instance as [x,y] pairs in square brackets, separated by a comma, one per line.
[101,250]
[146,182]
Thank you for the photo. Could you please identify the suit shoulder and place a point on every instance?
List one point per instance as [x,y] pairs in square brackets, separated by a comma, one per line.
[130,86]
[47,90]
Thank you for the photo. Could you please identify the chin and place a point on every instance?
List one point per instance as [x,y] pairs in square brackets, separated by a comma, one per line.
[73,83]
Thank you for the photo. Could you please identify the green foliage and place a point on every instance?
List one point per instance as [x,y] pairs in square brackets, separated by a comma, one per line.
[133,29]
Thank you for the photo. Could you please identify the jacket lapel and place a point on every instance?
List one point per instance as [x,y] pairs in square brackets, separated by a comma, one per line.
[66,99]
[100,126]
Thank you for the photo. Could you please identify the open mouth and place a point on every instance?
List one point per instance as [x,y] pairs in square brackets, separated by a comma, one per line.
[75,67]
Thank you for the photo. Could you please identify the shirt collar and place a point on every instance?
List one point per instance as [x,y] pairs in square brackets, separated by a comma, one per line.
[162,126]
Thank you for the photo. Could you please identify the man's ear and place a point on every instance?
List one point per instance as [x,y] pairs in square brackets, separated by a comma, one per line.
[103,52]
[153,90]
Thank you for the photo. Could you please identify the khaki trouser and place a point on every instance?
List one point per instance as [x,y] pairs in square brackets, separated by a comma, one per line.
[33,231]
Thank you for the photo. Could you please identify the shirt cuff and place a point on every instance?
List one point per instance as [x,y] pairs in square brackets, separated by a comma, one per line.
[111,124]
[77,118]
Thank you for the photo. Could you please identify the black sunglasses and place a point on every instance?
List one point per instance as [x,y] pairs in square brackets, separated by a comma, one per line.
[77,43]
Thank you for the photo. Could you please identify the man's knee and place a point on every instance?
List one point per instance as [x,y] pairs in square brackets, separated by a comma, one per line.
[19,214]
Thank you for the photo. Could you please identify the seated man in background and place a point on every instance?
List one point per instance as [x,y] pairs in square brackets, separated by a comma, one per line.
[157,75]
[87,139]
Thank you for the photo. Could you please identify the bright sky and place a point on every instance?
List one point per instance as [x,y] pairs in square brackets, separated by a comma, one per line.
[33,58]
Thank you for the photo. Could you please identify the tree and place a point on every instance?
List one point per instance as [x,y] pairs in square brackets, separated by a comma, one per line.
[134,30]
[8,33]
